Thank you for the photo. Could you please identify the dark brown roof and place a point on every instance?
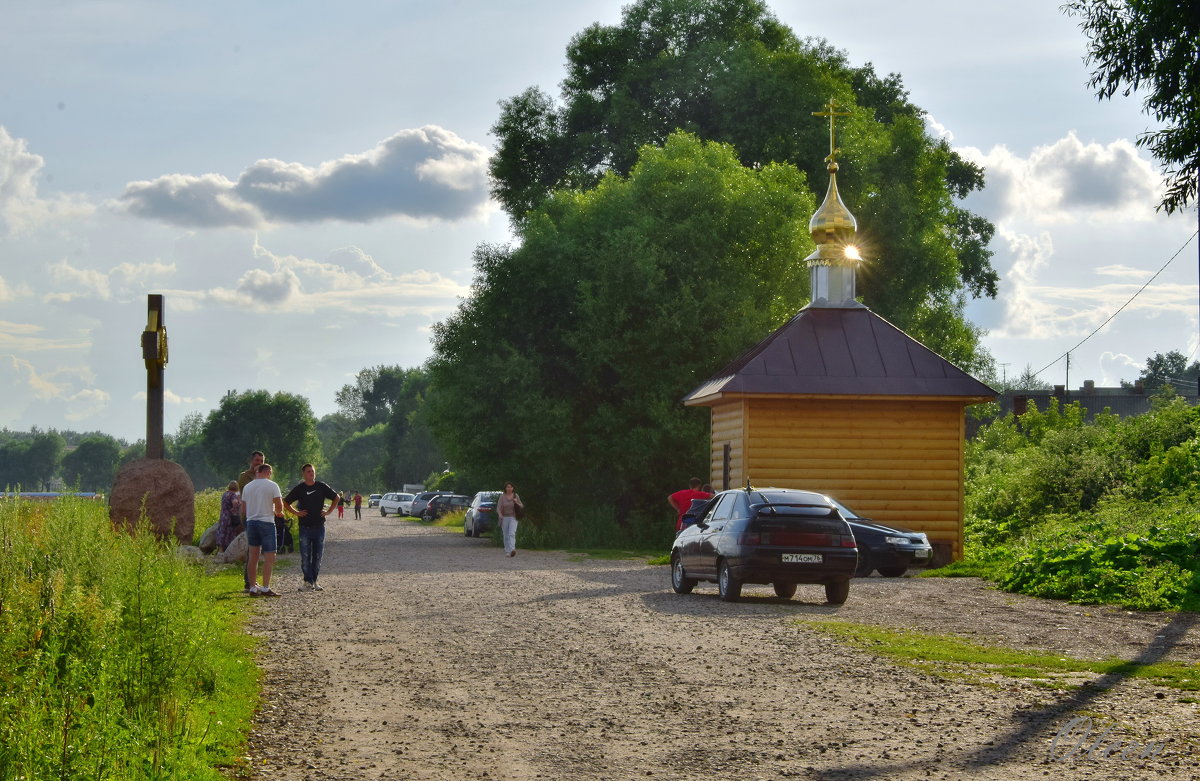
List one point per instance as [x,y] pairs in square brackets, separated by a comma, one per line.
[840,351]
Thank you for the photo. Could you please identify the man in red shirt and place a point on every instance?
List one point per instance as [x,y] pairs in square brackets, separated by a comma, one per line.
[682,500]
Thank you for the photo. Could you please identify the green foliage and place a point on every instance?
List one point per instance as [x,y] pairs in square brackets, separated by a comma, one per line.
[1091,512]
[92,465]
[186,448]
[115,660]
[359,461]
[564,369]
[728,71]
[1150,46]
[281,425]
[30,462]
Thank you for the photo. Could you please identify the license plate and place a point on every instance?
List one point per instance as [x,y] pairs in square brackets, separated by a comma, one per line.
[921,554]
[801,558]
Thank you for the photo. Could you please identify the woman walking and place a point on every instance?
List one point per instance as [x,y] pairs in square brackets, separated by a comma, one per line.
[509,508]
[230,523]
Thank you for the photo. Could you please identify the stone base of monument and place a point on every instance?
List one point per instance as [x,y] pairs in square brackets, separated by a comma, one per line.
[165,492]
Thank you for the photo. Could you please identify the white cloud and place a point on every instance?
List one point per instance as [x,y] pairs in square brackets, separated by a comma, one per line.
[938,130]
[421,174]
[21,208]
[9,293]
[1034,309]
[121,281]
[348,278]
[85,404]
[171,397]
[1067,181]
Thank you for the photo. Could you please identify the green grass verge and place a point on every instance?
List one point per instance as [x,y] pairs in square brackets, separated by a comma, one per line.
[952,657]
[118,658]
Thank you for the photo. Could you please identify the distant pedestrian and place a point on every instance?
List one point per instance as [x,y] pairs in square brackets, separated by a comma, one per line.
[310,494]
[264,501]
[510,508]
[229,525]
[341,504]
[357,506]
[680,501]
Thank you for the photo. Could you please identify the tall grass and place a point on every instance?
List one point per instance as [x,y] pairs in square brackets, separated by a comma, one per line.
[117,658]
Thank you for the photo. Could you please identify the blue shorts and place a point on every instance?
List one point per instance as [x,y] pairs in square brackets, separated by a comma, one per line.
[261,534]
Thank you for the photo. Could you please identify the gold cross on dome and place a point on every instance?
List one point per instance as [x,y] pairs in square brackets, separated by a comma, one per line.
[832,114]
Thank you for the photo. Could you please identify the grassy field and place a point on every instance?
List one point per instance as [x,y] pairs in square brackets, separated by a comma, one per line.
[118,659]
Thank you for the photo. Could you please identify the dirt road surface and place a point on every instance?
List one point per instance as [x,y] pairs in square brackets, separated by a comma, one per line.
[434,656]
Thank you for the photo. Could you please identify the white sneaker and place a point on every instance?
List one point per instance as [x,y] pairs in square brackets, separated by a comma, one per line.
[317,587]
[255,590]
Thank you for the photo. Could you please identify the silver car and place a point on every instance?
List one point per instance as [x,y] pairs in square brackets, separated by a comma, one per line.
[396,504]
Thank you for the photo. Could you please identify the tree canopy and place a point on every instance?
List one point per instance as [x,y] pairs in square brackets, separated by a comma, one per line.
[281,425]
[92,465]
[727,70]
[1152,47]
[564,369]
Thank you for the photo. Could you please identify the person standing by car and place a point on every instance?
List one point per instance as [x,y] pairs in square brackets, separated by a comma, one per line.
[311,494]
[682,500]
[509,507]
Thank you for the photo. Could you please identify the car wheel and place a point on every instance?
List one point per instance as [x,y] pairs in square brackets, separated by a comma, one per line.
[467,528]
[679,580]
[836,593]
[383,512]
[866,564]
[729,587]
[893,572]
[785,590]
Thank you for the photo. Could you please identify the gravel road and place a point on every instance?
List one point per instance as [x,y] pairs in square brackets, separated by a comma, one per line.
[434,656]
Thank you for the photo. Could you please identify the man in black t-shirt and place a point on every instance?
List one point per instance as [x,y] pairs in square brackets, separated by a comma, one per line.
[307,499]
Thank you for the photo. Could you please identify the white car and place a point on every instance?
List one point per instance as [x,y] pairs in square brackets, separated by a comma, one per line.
[396,504]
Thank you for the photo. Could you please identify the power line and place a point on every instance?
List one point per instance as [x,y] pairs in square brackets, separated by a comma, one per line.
[1127,303]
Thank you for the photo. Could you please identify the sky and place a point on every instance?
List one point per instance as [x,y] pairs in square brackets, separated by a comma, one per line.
[305,183]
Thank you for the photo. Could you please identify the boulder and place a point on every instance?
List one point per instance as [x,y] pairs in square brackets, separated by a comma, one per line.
[208,540]
[236,551]
[190,553]
[165,492]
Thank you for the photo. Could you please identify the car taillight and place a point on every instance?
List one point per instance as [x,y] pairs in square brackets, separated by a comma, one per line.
[847,541]
[754,538]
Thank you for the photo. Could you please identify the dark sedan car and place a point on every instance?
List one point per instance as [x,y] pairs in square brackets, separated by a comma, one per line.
[421,501]
[779,536]
[481,515]
[892,550]
[442,504]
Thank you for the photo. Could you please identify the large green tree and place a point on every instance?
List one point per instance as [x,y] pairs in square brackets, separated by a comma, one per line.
[31,461]
[394,396]
[1152,47]
[280,424]
[186,448]
[1170,368]
[92,464]
[358,465]
[564,369]
[727,70]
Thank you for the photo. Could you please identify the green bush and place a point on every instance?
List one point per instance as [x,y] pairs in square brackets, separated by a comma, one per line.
[1090,512]
[114,663]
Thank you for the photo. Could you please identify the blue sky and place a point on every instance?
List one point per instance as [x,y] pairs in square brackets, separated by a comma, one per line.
[305,182]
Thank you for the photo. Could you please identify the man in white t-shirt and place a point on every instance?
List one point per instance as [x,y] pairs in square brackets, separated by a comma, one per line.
[263,501]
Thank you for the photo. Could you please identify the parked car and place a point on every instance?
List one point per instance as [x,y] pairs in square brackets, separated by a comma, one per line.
[394,503]
[481,514]
[892,550]
[779,536]
[421,501]
[442,504]
[373,500]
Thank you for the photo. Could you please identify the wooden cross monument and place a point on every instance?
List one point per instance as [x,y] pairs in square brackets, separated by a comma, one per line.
[154,353]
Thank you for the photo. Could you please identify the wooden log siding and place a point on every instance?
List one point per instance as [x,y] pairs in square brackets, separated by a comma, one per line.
[898,461]
[728,429]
